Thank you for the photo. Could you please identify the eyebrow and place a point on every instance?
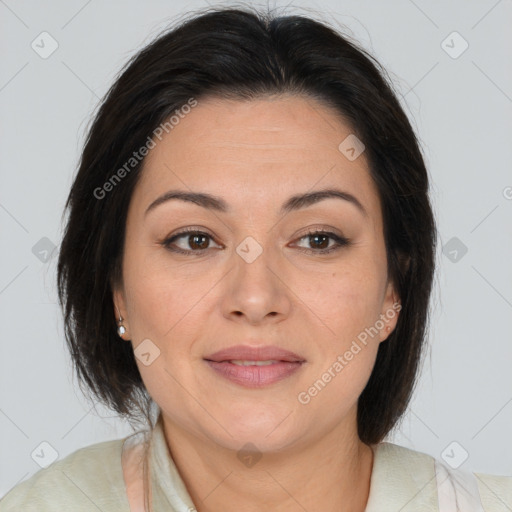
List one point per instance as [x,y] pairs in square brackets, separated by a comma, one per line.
[295,202]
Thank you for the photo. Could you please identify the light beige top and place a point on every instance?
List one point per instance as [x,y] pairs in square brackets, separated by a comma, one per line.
[91,479]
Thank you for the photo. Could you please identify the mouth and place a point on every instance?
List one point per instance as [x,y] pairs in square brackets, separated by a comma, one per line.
[248,353]
[240,362]
[254,367]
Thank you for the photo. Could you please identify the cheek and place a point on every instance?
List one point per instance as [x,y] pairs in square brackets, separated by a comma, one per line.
[163,308]
[344,362]
[349,383]
[350,306]
[161,303]
[336,384]
[347,301]
[155,290]
[168,303]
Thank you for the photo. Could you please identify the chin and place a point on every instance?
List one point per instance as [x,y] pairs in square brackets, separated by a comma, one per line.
[259,426]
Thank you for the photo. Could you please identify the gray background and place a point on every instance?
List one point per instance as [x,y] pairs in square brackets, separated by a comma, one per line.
[461,108]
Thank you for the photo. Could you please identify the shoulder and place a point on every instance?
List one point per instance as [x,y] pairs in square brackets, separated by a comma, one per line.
[495,492]
[90,478]
[394,452]
[423,472]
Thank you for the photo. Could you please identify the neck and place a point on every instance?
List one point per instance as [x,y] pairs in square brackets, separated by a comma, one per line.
[331,474]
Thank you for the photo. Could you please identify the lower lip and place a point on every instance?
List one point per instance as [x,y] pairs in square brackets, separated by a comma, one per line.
[255,376]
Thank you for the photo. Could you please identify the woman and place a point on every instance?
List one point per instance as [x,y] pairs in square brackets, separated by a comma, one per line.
[247,267]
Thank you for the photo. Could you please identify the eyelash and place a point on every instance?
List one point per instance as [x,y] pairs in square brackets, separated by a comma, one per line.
[340,242]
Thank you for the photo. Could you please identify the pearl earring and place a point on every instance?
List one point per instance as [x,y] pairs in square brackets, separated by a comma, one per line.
[121,329]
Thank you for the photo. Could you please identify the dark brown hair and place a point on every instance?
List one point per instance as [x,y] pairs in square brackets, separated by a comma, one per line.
[244,54]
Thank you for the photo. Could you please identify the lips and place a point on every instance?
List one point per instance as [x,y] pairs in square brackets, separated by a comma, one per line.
[247,353]
[254,367]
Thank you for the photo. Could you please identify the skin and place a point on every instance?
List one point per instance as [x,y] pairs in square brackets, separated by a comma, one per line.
[255,155]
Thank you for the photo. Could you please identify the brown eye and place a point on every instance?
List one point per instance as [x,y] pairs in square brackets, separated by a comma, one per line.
[192,241]
[319,242]
[189,242]
[198,241]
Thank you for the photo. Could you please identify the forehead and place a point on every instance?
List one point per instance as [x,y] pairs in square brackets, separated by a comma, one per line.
[271,147]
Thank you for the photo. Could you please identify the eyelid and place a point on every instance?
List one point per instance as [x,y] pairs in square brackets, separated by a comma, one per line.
[319,228]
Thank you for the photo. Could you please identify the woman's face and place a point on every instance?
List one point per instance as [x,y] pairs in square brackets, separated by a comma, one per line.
[253,277]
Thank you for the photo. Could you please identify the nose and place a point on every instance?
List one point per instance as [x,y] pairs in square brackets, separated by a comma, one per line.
[255,290]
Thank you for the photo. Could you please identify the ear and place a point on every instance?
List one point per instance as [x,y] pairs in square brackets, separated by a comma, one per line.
[390,312]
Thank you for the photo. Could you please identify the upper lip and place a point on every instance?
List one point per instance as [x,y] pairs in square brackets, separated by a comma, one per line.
[250,353]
